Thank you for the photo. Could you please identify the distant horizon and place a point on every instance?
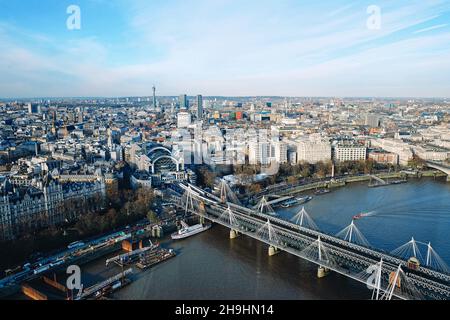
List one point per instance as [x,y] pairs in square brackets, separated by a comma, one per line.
[222,96]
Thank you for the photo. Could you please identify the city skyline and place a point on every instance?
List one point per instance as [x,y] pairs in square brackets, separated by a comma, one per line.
[193,96]
[225,48]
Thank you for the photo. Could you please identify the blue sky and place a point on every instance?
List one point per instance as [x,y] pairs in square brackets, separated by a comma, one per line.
[225,47]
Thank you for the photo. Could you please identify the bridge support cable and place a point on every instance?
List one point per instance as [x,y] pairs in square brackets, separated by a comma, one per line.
[373,276]
[408,250]
[229,217]
[268,233]
[303,219]
[317,251]
[387,281]
[394,281]
[188,200]
[226,194]
[377,286]
[353,235]
[264,207]
[400,285]
[434,261]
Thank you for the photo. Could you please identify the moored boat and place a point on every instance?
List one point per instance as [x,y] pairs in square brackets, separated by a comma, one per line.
[188,231]
[297,201]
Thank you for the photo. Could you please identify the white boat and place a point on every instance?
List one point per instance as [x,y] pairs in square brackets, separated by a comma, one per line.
[296,202]
[303,200]
[187,231]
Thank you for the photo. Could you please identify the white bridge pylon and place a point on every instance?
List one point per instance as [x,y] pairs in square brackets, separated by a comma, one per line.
[188,200]
[353,235]
[318,252]
[432,260]
[267,232]
[229,217]
[399,283]
[386,283]
[226,194]
[303,219]
[373,278]
[264,207]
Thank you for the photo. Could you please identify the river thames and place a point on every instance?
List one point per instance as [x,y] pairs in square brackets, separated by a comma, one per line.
[211,266]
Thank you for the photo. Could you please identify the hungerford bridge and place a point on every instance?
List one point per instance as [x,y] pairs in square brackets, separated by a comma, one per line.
[388,275]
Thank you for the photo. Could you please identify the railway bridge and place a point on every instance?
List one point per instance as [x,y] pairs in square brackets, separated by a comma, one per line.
[402,273]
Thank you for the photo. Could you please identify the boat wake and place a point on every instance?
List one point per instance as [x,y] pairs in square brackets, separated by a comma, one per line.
[364,215]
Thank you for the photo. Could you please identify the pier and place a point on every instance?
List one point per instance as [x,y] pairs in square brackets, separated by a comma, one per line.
[106,287]
[154,257]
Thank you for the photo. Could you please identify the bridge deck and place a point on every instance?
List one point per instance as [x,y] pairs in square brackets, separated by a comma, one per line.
[346,258]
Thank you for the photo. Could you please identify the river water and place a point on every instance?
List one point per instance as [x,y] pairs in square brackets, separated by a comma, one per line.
[211,266]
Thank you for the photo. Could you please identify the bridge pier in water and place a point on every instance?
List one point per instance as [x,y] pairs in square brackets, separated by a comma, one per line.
[233,234]
[272,251]
[322,272]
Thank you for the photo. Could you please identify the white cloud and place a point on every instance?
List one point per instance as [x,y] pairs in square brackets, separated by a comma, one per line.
[217,47]
[430,28]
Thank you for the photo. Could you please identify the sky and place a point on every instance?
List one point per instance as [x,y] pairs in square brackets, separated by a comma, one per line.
[225,47]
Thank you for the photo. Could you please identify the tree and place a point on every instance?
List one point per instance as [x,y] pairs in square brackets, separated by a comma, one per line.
[292,180]
[369,166]
[206,177]
[255,188]
[417,162]
[143,200]
[305,171]
[111,218]
[152,217]
[286,170]
[322,169]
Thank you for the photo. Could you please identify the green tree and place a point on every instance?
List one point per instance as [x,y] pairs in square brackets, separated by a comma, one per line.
[152,217]
[254,188]
[417,162]
[292,180]
[305,171]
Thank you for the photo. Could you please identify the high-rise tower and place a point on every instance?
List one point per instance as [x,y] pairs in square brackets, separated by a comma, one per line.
[199,107]
[183,101]
[154,96]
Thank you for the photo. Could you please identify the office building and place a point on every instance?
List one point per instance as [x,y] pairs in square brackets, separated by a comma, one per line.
[313,152]
[154,96]
[184,119]
[259,152]
[199,107]
[372,120]
[349,152]
[183,102]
